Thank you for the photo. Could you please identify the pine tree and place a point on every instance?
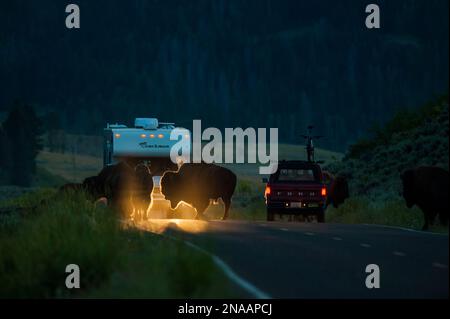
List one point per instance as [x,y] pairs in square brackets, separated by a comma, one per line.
[22,129]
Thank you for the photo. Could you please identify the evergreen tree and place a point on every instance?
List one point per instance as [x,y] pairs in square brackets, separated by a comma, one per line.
[5,157]
[22,129]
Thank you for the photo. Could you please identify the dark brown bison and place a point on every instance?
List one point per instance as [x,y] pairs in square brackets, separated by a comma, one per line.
[93,187]
[123,186]
[337,191]
[428,188]
[114,183]
[197,184]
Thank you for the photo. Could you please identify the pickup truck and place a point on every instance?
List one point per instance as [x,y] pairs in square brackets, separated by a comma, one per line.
[296,188]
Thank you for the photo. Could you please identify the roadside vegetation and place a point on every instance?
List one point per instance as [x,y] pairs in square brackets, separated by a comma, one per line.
[373,166]
[114,260]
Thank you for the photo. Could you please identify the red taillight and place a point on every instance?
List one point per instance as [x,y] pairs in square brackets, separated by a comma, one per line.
[267,191]
[323,191]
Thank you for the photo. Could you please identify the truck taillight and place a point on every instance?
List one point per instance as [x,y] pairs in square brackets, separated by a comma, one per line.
[267,191]
[324,191]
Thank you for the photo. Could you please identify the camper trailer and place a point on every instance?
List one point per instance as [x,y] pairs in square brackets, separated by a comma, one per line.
[148,141]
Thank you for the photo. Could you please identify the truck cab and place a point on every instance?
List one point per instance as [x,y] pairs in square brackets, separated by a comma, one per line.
[296,188]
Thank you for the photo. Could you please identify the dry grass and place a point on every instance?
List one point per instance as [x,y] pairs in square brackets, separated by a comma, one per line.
[73,168]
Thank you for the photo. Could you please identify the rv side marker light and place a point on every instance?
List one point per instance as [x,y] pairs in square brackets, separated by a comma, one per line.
[160,135]
[117,135]
[143,135]
[152,135]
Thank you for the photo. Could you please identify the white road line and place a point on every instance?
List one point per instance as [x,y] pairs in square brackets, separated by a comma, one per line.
[337,238]
[439,265]
[406,229]
[284,229]
[241,282]
[365,245]
[309,234]
[399,253]
[235,278]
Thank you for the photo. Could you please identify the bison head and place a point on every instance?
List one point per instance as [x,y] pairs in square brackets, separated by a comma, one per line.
[408,187]
[170,188]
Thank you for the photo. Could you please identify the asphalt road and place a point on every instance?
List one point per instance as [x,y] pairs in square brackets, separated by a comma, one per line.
[310,260]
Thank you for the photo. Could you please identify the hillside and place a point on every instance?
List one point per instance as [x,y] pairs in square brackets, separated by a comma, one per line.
[373,166]
[408,140]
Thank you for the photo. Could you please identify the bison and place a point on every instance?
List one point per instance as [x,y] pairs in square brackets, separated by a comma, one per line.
[428,188]
[197,184]
[337,191]
[93,187]
[123,186]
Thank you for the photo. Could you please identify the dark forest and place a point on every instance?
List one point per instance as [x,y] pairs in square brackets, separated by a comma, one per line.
[232,63]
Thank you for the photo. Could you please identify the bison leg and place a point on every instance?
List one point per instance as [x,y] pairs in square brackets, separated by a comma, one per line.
[200,207]
[227,203]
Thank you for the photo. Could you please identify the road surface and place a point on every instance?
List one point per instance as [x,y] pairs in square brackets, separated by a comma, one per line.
[310,260]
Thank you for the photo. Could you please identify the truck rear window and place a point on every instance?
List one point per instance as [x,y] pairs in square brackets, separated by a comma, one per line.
[297,175]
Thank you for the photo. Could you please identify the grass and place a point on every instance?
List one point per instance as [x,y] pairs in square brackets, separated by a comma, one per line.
[114,261]
[44,178]
[70,167]
[361,210]
[30,198]
[157,267]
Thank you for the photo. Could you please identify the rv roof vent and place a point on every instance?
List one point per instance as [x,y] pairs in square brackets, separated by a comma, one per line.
[116,126]
[146,123]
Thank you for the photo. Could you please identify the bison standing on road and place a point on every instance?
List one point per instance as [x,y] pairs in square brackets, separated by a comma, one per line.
[337,191]
[428,188]
[196,184]
[126,187]
[123,186]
